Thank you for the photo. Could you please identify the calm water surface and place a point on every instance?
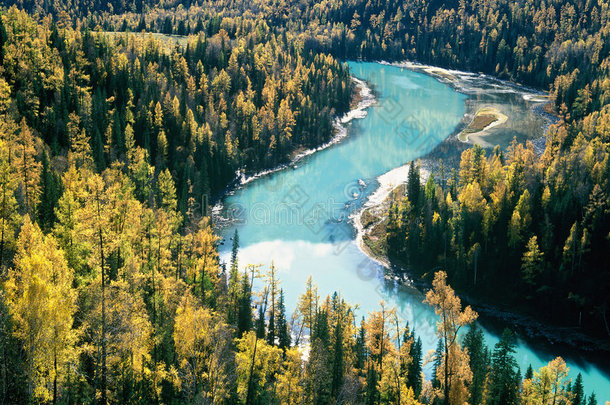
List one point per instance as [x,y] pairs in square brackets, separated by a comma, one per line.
[298,217]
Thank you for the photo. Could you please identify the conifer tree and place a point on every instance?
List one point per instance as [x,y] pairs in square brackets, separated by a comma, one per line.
[503,384]
[9,217]
[477,351]
[49,195]
[244,307]
[29,168]
[282,324]
[414,371]
[578,391]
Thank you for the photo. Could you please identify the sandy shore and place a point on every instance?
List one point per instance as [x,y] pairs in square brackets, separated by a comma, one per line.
[375,210]
[484,119]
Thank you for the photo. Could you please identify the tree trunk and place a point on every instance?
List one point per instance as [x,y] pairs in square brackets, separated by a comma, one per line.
[55,378]
[3,225]
[3,370]
[446,390]
[249,392]
[104,398]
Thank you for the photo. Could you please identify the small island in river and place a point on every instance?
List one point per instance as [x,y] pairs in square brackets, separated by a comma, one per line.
[484,119]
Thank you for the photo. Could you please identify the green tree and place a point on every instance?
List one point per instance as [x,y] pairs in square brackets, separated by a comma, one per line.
[503,383]
[475,344]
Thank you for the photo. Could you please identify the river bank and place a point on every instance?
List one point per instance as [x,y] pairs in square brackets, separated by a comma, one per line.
[362,99]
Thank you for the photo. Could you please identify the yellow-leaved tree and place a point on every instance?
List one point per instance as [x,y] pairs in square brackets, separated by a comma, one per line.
[204,348]
[42,303]
[550,385]
[454,367]
[257,366]
[289,386]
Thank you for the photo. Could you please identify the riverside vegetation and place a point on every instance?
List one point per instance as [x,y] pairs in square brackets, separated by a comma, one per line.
[112,290]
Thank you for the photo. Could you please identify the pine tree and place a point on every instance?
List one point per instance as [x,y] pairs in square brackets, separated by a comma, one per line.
[503,384]
[474,342]
[318,368]
[234,250]
[360,347]
[234,278]
[414,379]
[437,363]
[49,196]
[578,391]
[413,185]
[29,168]
[372,391]
[244,307]
[9,217]
[282,324]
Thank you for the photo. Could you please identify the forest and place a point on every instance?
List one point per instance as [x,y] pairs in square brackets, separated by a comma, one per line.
[113,141]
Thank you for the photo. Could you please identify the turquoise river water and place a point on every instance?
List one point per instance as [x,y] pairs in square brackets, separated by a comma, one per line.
[298,217]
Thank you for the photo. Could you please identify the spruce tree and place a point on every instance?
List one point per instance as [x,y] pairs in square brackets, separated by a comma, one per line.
[282,324]
[260,323]
[337,360]
[502,378]
[414,379]
[413,185]
[438,360]
[578,391]
[360,348]
[244,307]
[50,191]
[477,351]
[372,392]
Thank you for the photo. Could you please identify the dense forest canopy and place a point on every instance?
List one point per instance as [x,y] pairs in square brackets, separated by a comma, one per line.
[110,140]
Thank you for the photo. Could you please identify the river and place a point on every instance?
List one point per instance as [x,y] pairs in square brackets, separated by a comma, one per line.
[298,217]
